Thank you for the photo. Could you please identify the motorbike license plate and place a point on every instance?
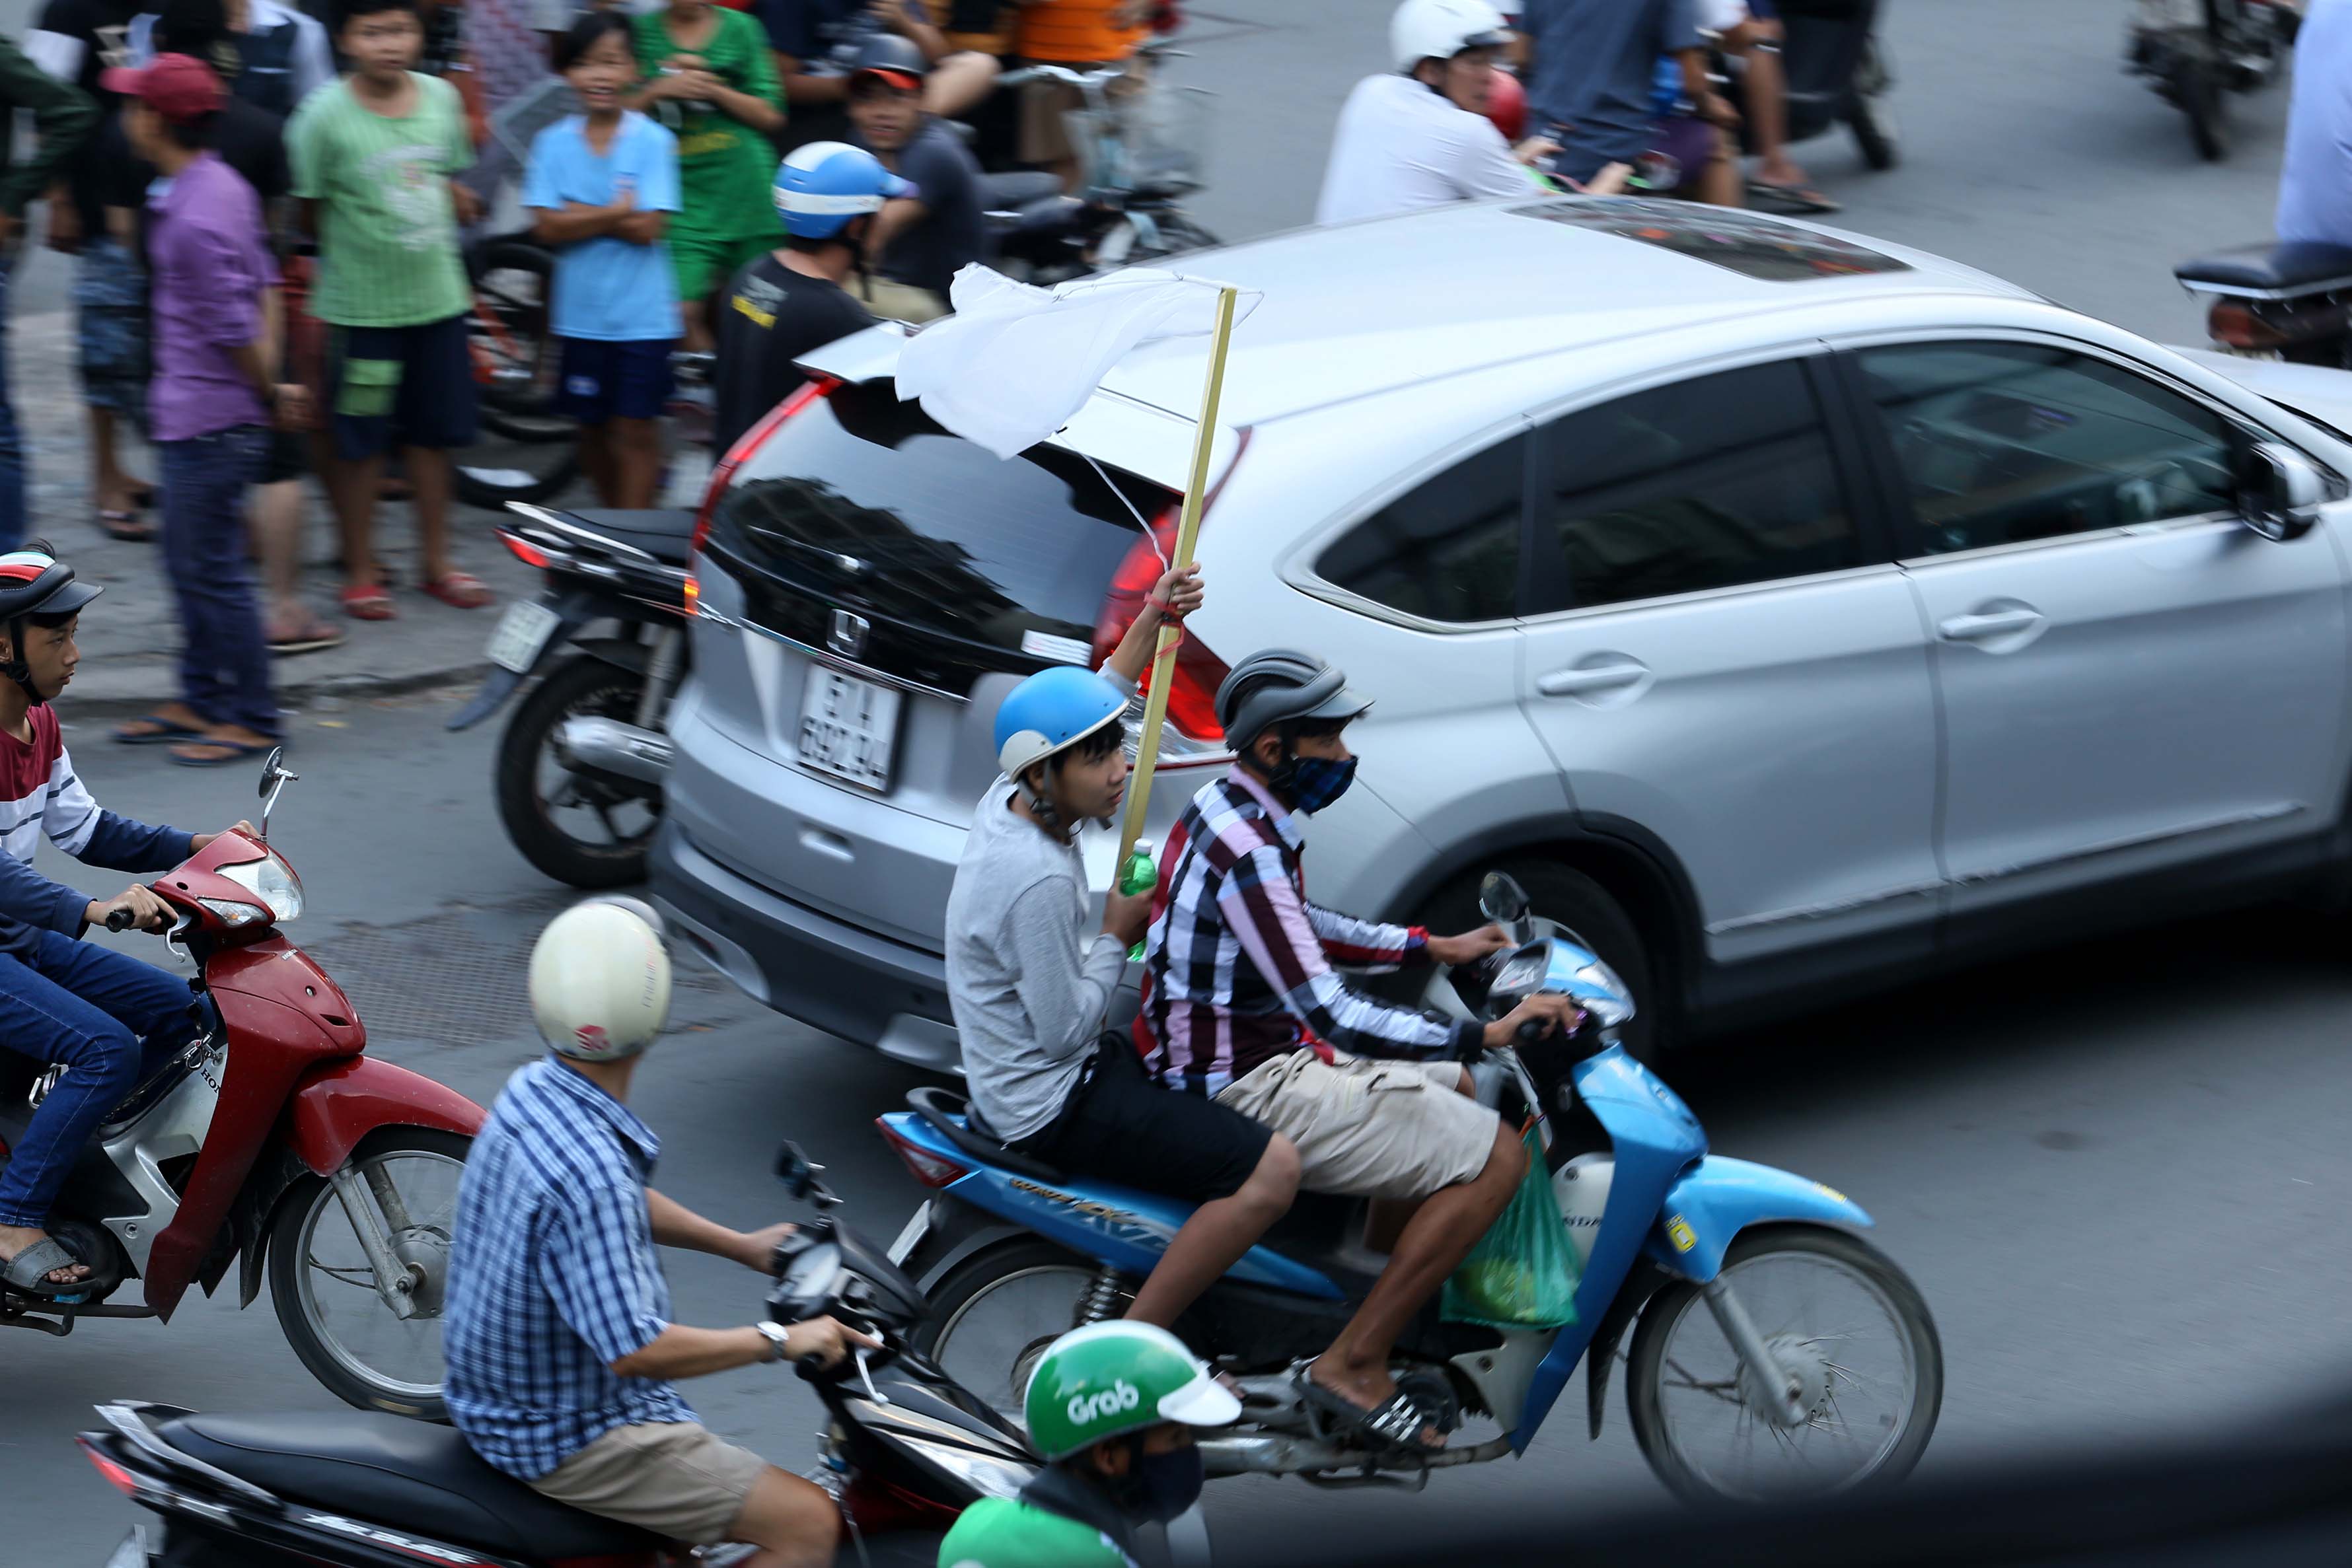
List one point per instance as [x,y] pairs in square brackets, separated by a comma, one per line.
[519,634]
[849,727]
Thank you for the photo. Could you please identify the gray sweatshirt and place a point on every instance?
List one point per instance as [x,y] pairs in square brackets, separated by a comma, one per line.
[1027,985]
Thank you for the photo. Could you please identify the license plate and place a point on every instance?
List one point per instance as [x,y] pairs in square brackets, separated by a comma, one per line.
[521,633]
[849,727]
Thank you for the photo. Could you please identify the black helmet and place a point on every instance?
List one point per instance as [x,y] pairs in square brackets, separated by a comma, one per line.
[895,59]
[1275,686]
[34,582]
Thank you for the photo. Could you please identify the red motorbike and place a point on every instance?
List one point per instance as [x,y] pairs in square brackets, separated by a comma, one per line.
[271,1142]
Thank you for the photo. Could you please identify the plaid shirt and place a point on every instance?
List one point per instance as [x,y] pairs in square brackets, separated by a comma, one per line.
[553,1275]
[1237,967]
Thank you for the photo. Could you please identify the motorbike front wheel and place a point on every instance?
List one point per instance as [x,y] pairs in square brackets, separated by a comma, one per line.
[324,1287]
[1839,1317]
[576,829]
[996,1310]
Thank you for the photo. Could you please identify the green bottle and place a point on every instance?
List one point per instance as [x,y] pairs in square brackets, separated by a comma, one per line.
[1137,873]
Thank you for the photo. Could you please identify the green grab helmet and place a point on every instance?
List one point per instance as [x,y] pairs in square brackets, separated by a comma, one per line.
[1108,1379]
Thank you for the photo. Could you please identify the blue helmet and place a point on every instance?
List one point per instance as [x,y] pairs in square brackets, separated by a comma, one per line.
[824,185]
[1052,709]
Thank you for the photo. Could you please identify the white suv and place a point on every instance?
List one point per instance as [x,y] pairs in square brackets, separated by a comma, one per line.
[1786,610]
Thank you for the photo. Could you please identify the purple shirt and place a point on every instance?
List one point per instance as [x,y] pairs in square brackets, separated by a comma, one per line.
[207,263]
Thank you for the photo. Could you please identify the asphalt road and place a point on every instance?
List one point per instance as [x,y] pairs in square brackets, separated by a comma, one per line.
[2111,1170]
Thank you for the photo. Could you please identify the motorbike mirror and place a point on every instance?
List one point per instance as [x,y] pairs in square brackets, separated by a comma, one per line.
[2280,496]
[795,1171]
[271,768]
[1501,899]
[275,777]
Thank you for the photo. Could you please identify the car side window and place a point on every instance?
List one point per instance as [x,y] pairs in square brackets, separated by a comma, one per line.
[1714,482]
[2009,443]
[1448,550]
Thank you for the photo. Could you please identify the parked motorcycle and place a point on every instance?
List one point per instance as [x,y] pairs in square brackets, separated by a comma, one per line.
[904,1452]
[580,768]
[270,1142]
[2195,53]
[1774,1351]
[2291,300]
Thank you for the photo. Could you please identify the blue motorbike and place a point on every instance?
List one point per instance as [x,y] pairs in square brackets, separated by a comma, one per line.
[1774,1352]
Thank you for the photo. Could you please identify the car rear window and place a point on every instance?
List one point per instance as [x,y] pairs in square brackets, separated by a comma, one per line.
[1740,242]
[962,561]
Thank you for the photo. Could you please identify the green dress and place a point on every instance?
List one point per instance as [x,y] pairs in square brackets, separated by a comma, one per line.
[999,1533]
[726,170]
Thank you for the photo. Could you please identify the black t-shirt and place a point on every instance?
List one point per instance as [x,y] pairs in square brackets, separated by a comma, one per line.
[96,36]
[952,232]
[825,36]
[768,317]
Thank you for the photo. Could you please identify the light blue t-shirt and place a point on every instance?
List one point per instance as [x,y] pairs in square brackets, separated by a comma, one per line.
[607,288]
[2314,200]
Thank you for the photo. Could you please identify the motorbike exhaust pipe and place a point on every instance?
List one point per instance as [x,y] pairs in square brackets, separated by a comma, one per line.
[593,743]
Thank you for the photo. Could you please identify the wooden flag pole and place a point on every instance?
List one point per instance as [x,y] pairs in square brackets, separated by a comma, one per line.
[1188,526]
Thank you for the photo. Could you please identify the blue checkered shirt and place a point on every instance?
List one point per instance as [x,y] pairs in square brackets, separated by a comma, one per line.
[553,1275]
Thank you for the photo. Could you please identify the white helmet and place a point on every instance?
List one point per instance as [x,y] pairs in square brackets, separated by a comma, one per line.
[1441,29]
[600,980]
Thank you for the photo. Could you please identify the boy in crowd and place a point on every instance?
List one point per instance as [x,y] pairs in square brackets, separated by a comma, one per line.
[600,187]
[372,158]
[792,300]
[708,80]
[920,240]
[62,118]
[216,388]
[1030,990]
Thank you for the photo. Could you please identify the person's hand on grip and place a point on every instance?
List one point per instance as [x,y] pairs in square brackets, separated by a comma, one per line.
[148,913]
[1469,948]
[1549,1011]
[826,1342]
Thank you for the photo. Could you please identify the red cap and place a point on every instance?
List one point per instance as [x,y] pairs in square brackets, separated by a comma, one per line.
[905,81]
[180,87]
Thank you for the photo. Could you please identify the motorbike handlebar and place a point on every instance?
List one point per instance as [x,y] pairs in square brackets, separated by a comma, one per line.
[120,919]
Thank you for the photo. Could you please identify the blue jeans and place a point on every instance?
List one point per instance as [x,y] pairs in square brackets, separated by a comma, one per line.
[12,450]
[89,1008]
[224,658]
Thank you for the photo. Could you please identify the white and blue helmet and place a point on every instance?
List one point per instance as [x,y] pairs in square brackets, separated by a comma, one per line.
[1051,711]
[821,187]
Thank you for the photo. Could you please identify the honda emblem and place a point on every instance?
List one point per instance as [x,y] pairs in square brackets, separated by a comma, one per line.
[848,637]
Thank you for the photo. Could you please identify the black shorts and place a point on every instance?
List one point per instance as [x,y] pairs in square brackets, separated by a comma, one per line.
[406,386]
[1122,1127]
[289,457]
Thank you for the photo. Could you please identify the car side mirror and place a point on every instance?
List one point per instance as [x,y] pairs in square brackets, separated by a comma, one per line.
[2280,496]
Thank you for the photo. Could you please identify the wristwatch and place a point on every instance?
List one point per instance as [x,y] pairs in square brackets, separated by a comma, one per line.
[778,1338]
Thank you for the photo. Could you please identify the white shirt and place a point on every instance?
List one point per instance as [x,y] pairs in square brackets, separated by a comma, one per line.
[2314,199]
[1402,146]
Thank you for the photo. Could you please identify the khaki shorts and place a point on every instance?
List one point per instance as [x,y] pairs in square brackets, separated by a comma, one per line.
[898,301]
[1044,131]
[672,1478]
[1370,1128]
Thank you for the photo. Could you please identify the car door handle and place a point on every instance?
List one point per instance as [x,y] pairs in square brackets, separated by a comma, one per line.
[1592,678]
[1989,624]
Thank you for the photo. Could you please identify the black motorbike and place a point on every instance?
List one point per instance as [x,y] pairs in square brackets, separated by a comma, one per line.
[1838,73]
[580,768]
[905,1450]
[2195,53]
[2291,300]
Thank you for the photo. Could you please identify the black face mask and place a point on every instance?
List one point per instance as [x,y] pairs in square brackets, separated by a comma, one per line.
[1159,1487]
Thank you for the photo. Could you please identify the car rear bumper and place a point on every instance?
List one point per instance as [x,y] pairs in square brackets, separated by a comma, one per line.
[824,972]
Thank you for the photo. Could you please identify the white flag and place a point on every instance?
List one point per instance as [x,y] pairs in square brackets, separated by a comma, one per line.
[1015,362]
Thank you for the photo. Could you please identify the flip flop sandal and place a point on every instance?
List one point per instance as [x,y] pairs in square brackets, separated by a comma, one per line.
[369,604]
[165,730]
[1394,1425]
[27,1273]
[232,751]
[127,527]
[1799,199]
[317,634]
[459,590]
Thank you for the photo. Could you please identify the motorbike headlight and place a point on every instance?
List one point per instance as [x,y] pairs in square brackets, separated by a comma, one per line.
[270,880]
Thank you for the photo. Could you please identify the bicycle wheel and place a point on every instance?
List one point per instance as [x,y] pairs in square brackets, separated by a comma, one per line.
[515,354]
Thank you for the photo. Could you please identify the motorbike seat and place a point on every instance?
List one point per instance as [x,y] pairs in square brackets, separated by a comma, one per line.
[401,1473]
[2271,268]
[663,533]
[1016,188]
[952,1115]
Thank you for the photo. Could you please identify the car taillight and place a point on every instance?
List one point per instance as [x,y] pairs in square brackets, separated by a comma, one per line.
[745,445]
[2240,328]
[1192,698]
[932,1170]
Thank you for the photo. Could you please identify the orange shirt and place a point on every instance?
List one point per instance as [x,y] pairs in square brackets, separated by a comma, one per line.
[1074,32]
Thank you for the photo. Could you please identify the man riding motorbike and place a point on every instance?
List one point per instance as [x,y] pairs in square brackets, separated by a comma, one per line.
[106,1017]
[1418,136]
[1111,1408]
[1242,1003]
[558,1330]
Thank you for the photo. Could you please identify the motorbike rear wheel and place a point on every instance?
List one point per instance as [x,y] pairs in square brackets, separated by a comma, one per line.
[328,1304]
[540,801]
[2197,87]
[1874,1344]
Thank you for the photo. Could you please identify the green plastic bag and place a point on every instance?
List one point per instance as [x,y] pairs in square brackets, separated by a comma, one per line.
[1522,1273]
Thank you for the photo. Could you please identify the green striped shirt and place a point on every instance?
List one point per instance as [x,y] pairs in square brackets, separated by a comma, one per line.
[387,232]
